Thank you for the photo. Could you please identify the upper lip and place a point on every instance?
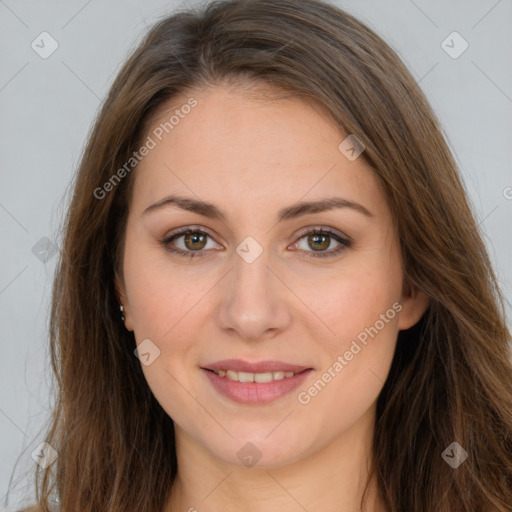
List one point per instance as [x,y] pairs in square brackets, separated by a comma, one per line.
[238,365]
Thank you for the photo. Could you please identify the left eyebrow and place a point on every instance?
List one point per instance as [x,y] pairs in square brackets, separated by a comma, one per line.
[213,212]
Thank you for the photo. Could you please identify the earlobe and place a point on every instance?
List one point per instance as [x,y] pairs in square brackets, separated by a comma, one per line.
[124,310]
[414,304]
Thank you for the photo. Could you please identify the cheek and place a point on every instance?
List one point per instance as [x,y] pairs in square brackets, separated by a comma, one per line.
[354,370]
[159,295]
[168,307]
[166,310]
[361,311]
[354,303]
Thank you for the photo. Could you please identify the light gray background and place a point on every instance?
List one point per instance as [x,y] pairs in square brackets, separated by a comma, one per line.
[47,106]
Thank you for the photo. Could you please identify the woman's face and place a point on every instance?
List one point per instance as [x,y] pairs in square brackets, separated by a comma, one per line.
[260,286]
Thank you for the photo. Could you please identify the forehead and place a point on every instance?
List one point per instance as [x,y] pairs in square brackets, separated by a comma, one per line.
[237,145]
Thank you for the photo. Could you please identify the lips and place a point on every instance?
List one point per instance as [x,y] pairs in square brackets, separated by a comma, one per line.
[255,383]
[255,392]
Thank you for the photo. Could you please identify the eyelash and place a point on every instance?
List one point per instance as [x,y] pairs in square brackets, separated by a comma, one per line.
[344,243]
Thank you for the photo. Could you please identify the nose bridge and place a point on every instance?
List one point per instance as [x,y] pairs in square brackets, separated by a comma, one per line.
[253,302]
[251,272]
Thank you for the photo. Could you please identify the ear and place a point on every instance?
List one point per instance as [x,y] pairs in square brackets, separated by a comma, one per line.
[123,300]
[414,304]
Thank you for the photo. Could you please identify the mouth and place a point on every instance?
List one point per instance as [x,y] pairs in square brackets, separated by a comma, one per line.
[255,383]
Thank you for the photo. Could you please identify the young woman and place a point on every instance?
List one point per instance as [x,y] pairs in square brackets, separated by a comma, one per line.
[273,293]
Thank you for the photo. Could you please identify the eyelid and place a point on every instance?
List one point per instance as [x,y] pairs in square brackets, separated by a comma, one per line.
[316,227]
[169,237]
[342,239]
[183,231]
[300,234]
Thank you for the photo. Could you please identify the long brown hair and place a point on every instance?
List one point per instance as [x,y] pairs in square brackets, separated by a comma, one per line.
[451,377]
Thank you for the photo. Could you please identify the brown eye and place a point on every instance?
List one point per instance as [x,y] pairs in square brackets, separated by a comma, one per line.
[319,242]
[320,239]
[195,240]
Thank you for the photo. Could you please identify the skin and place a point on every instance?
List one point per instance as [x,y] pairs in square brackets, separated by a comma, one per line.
[251,157]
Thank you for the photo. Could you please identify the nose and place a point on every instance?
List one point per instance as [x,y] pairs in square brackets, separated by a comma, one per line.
[255,300]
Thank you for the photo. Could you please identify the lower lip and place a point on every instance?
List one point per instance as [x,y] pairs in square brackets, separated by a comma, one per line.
[253,392]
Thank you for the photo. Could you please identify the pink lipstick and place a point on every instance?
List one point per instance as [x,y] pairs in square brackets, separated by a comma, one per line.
[255,383]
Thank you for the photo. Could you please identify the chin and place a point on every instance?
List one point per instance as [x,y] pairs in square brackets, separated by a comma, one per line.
[256,451]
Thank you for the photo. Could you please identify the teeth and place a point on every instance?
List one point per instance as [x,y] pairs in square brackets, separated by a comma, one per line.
[254,377]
